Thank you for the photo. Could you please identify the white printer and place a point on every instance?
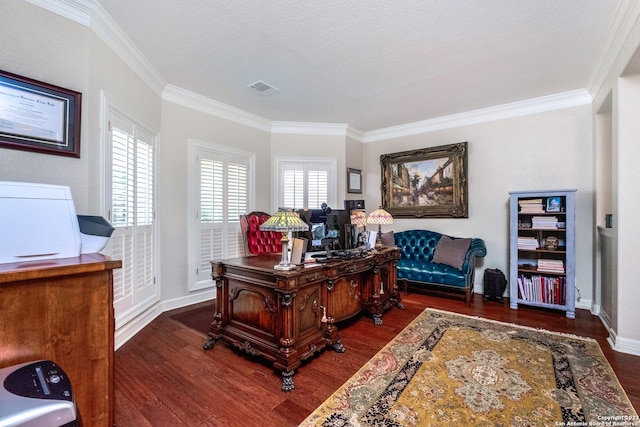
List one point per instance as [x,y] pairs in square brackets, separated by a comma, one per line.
[39,221]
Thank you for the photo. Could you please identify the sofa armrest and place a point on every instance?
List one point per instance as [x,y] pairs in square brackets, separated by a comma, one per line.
[477,249]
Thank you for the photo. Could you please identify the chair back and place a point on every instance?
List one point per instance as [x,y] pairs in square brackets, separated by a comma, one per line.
[256,241]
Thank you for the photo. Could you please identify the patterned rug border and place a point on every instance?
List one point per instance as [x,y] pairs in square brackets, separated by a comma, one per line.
[428,310]
[515,325]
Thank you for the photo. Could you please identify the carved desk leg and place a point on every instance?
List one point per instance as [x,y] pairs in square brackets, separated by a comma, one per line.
[332,337]
[287,380]
[397,297]
[215,330]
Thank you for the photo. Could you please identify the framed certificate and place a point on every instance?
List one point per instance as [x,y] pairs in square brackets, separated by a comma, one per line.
[37,116]
[354,181]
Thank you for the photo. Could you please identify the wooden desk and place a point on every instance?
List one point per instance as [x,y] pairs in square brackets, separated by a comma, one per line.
[62,310]
[286,317]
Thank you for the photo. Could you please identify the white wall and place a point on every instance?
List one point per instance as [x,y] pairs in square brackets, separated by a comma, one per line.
[46,47]
[542,151]
[627,229]
[179,124]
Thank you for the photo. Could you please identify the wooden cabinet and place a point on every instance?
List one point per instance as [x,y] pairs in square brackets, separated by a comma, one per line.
[286,317]
[62,310]
[542,249]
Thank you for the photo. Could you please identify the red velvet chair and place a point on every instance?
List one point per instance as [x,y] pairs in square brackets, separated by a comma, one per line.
[256,241]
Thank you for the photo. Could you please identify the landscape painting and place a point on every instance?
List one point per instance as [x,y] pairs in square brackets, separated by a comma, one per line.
[430,182]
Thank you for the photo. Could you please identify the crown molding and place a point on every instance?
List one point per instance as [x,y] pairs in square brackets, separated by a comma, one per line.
[310,128]
[110,33]
[75,10]
[625,17]
[203,104]
[93,16]
[499,112]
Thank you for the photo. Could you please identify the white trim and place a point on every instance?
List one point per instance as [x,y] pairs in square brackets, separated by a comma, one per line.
[131,328]
[75,10]
[92,15]
[623,345]
[143,319]
[206,105]
[621,25]
[499,112]
[110,33]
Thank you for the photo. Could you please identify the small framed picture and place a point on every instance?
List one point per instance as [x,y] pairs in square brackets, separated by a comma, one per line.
[354,181]
[554,204]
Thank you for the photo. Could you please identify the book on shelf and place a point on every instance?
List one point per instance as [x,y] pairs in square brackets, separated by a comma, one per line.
[522,202]
[546,222]
[551,265]
[544,289]
[529,243]
[531,206]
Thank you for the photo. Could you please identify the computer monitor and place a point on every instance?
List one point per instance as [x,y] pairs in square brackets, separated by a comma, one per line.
[326,228]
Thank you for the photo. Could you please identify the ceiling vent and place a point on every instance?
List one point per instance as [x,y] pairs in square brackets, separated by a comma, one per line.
[262,87]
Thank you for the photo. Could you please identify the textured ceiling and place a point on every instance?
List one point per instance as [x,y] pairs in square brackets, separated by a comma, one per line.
[370,64]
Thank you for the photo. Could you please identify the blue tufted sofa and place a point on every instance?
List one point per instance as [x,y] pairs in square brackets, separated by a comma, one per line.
[417,269]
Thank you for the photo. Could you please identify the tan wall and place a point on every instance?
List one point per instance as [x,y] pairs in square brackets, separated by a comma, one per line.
[537,152]
[179,124]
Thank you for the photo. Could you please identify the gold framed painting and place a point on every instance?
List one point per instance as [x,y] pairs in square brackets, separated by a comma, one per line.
[426,183]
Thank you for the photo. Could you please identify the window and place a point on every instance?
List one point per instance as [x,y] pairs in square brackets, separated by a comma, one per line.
[130,194]
[305,183]
[220,193]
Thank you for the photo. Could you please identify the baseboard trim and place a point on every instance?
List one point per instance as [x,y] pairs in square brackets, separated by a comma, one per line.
[129,329]
[623,345]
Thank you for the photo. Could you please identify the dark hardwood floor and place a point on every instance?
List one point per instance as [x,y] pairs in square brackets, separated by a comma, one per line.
[163,377]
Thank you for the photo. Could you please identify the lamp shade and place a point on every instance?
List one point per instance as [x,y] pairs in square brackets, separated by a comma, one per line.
[380,217]
[284,220]
[359,219]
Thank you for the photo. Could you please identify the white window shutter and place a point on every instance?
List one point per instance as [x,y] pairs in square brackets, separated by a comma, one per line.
[222,196]
[131,197]
[305,183]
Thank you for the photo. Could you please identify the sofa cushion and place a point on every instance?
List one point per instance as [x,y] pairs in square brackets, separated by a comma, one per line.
[430,272]
[451,251]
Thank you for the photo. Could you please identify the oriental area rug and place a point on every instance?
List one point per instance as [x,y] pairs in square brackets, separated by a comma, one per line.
[449,369]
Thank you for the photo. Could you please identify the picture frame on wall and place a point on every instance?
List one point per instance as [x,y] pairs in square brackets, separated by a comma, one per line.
[426,183]
[354,181]
[38,116]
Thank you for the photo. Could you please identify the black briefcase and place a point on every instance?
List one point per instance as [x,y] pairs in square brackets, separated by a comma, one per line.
[494,284]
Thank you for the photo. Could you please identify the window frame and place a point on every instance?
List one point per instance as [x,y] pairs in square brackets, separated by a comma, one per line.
[331,165]
[147,296]
[196,146]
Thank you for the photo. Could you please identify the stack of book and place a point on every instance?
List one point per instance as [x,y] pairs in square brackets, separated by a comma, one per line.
[551,265]
[529,243]
[547,222]
[530,206]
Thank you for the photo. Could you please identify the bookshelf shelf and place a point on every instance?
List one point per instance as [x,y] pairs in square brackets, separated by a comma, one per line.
[542,249]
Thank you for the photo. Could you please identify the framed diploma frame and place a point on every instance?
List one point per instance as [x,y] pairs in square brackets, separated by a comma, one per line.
[354,181]
[37,116]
